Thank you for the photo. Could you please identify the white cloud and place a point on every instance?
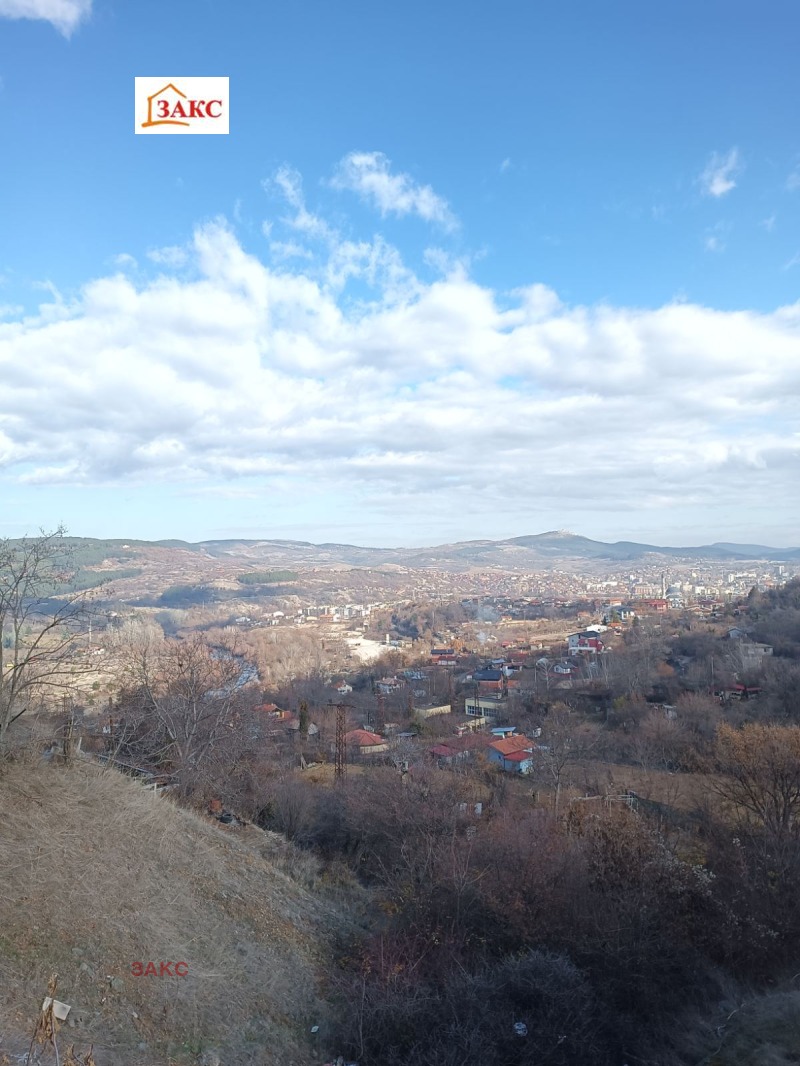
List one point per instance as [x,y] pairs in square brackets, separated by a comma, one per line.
[170,256]
[369,174]
[63,14]
[769,223]
[718,177]
[505,165]
[423,400]
[289,184]
[289,250]
[793,181]
[125,261]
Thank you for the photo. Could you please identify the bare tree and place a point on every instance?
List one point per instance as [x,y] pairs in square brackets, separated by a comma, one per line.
[761,764]
[183,696]
[558,749]
[633,667]
[40,617]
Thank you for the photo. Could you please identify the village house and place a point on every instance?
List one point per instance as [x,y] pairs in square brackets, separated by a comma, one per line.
[387,685]
[293,725]
[460,748]
[363,742]
[272,710]
[513,754]
[587,642]
[658,606]
[752,654]
[489,680]
[616,612]
[564,669]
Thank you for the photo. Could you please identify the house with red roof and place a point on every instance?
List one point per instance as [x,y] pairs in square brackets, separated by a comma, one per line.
[363,742]
[513,754]
[460,748]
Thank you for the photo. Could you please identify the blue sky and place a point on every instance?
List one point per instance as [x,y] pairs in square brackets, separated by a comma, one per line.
[457,271]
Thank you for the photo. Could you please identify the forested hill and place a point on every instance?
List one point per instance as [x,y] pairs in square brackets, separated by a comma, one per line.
[542,549]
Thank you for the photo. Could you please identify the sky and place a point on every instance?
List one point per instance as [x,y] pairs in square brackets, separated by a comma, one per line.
[458,271]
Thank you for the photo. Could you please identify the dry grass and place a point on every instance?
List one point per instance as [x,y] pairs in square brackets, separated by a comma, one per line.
[323,773]
[745,1030]
[96,874]
[765,1031]
[682,791]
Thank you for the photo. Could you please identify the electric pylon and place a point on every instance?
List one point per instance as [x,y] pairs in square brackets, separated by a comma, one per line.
[340,758]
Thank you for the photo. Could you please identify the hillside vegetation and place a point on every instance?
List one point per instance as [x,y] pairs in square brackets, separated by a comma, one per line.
[630,895]
[97,874]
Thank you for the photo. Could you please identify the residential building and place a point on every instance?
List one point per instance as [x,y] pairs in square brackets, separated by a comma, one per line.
[587,642]
[752,654]
[432,712]
[486,706]
[489,680]
[513,754]
[363,742]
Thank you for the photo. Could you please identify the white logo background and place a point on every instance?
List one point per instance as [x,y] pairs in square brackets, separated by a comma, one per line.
[198,94]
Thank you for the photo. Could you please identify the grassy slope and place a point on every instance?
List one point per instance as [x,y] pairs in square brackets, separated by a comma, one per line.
[96,873]
[766,1031]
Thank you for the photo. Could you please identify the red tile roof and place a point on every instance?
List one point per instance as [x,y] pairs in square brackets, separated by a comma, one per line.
[517,756]
[511,744]
[362,738]
[456,745]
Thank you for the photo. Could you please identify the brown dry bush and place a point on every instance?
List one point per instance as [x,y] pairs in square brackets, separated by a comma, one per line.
[391,1017]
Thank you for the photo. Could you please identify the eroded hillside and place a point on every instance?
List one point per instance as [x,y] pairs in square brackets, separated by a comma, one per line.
[97,874]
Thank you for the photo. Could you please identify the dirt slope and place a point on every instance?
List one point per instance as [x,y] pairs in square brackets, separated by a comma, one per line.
[97,874]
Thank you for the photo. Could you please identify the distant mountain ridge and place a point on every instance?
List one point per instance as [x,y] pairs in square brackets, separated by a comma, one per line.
[535,550]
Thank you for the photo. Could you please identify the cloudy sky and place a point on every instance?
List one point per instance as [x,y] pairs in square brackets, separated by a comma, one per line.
[459,270]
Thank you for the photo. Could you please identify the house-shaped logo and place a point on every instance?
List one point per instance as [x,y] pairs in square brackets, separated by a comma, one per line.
[181,105]
[163,102]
